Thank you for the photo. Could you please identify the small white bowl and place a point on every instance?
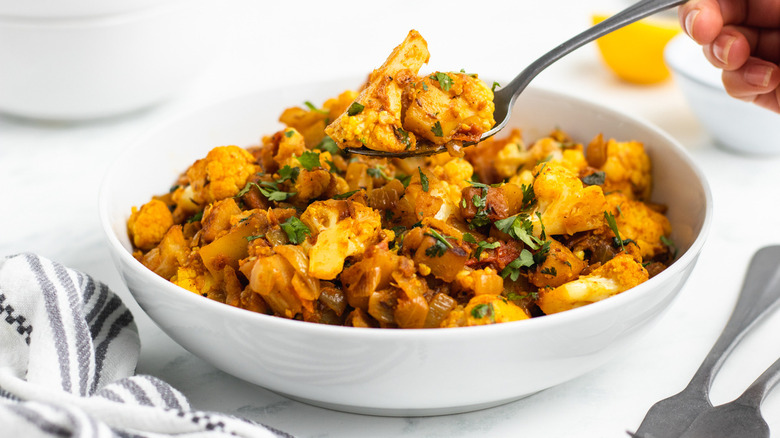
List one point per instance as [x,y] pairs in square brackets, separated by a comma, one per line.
[736,125]
[399,372]
[93,67]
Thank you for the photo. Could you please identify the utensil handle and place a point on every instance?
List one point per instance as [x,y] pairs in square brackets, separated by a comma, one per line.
[760,294]
[755,393]
[633,13]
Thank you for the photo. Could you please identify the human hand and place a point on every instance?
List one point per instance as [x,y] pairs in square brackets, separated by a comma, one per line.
[742,37]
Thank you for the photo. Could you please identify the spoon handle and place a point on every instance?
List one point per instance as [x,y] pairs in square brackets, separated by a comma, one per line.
[755,393]
[633,13]
[760,294]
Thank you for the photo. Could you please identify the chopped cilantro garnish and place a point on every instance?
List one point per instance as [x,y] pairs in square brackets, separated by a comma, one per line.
[495,85]
[289,133]
[468,238]
[355,109]
[512,270]
[311,107]
[405,179]
[483,245]
[377,172]
[445,81]
[440,246]
[295,229]
[403,137]
[436,129]
[329,145]
[309,160]
[195,217]
[268,189]
[668,242]
[595,178]
[251,238]
[482,310]
[551,271]
[288,173]
[519,227]
[423,180]
[345,195]
[613,226]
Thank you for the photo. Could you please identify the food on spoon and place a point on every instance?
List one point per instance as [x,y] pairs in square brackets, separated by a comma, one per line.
[298,228]
[397,108]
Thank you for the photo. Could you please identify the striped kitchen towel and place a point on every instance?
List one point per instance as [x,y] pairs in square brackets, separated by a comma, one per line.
[68,350]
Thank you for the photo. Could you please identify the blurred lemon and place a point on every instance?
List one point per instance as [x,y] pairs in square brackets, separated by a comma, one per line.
[636,52]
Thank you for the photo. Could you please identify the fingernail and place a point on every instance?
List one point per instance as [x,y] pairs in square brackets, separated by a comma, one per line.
[690,18]
[758,75]
[721,51]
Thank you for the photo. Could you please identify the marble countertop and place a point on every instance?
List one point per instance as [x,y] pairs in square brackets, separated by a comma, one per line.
[50,173]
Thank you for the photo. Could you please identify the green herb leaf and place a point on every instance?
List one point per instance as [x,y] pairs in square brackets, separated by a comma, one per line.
[377,172]
[520,228]
[403,137]
[311,106]
[595,179]
[405,179]
[289,133]
[436,129]
[423,180]
[495,85]
[195,217]
[355,109]
[288,173]
[483,245]
[512,270]
[440,246]
[329,145]
[467,237]
[309,160]
[296,230]
[445,81]
[251,238]
[345,195]
[482,310]
[551,271]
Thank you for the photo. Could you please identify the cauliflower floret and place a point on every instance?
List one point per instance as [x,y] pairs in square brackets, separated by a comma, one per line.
[342,228]
[222,174]
[628,170]
[635,220]
[565,205]
[374,119]
[311,122]
[443,107]
[514,159]
[484,309]
[148,225]
[615,276]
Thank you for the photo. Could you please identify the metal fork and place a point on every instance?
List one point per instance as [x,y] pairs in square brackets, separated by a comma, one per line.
[506,96]
[740,418]
[670,417]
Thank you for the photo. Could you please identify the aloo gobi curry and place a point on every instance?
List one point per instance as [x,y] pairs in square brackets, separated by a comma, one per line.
[503,231]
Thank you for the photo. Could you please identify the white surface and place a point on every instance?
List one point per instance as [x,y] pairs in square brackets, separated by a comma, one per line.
[93,67]
[399,372]
[49,174]
[757,131]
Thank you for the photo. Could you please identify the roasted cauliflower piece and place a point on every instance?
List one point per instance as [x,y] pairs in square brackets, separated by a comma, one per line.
[637,221]
[617,275]
[565,205]
[221,174]
[147,225]
[443,107]
[626,166]
[374,118]
[342,228]
[311,122]
[484,309]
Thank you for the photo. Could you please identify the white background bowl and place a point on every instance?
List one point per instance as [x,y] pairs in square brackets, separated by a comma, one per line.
[72,68]
[399,372]
[734,124]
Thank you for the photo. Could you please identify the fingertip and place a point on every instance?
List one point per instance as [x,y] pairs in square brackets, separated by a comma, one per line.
[729,51]
[701,20]
[755,78]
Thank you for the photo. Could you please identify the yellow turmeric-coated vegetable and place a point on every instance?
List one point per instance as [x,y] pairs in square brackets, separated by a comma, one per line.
[515,228]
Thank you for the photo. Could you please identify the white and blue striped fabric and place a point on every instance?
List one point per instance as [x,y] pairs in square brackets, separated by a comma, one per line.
[68,350]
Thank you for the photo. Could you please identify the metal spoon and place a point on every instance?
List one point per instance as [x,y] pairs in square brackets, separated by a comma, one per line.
[740,418]
[760,294]
[505,97]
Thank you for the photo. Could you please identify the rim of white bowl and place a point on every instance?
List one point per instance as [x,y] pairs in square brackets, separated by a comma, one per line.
[537,323]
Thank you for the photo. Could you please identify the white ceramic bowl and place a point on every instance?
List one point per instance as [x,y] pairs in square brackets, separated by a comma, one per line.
[736,125]
[399,372]
[99,66]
